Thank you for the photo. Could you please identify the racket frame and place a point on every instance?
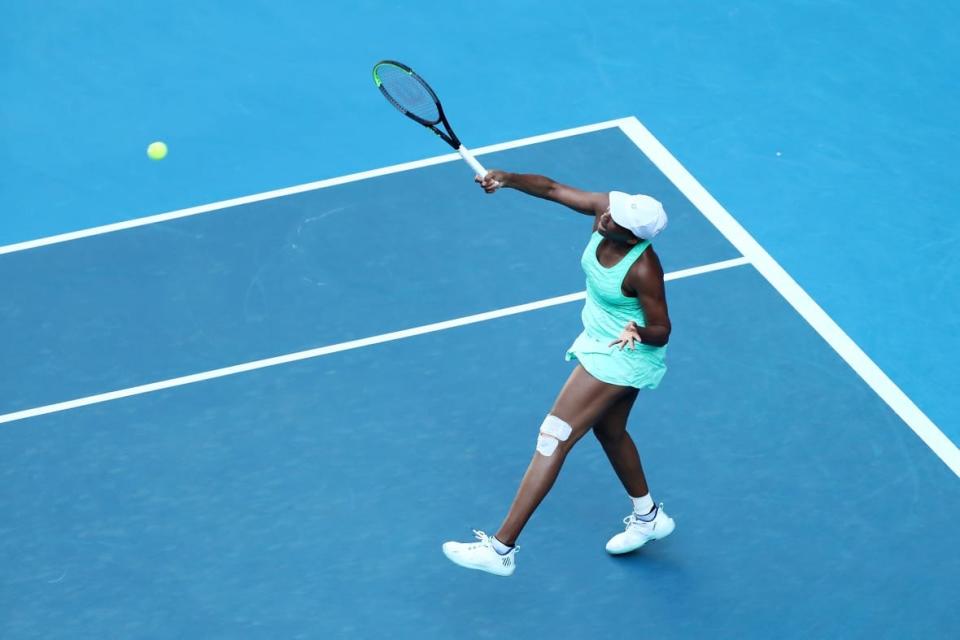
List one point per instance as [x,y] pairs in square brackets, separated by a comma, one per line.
[448,135]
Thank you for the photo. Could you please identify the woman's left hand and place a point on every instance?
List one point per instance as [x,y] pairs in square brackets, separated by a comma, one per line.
[628,336]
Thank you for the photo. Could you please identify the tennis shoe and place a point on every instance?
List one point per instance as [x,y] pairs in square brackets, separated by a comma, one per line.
[481,555]
[639,532]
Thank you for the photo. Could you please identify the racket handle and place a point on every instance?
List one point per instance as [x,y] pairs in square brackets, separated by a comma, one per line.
[471,160]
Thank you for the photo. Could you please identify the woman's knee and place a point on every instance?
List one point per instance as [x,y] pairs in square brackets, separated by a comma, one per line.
[608,434]
[558,434]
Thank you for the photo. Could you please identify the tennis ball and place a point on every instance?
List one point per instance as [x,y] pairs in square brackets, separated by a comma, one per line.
[157,150]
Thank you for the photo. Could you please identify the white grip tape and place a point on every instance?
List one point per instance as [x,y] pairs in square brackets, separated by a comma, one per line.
[471,160]
[553,431]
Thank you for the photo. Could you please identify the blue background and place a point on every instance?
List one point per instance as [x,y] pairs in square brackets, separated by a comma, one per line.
[807,509]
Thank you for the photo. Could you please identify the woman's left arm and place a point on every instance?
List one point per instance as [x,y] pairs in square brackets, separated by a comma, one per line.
[646,280]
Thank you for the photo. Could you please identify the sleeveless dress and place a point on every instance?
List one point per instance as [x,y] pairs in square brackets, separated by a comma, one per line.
[604,315]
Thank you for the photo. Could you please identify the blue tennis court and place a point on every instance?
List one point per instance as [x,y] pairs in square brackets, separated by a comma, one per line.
[247,391]
[308,496]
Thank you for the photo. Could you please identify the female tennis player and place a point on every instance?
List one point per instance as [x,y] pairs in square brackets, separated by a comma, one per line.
[620,351]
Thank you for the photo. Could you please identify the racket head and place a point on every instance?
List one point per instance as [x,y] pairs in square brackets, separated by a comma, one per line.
[408,92]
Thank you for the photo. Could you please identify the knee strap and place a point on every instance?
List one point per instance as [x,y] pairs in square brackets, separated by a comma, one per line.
[553,431]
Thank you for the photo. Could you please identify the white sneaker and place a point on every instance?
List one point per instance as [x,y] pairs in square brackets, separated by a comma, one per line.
[638,532]
[481,555]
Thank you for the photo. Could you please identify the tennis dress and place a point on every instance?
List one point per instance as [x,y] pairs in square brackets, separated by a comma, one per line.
[605,314]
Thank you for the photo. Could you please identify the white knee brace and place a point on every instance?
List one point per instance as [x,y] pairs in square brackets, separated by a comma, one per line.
[553,431]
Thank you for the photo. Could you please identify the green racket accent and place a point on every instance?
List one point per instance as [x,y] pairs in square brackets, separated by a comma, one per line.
[414,98]
[408,92]
[376,71]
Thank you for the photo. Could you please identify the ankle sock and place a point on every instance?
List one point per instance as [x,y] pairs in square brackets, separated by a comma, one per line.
[499,547]
[648,517]
[642,505]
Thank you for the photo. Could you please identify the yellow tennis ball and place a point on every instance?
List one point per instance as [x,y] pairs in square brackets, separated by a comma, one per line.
[157,150]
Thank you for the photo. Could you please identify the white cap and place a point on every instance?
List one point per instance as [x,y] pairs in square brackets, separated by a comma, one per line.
[642,215]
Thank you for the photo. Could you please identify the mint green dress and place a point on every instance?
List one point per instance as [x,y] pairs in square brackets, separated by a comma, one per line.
[604,315]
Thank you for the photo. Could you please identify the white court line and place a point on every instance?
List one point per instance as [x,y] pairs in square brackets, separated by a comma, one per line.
[336,348]
[311,186]
[794,294]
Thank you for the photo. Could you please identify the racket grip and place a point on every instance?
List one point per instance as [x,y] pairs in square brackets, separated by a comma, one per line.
[471,160]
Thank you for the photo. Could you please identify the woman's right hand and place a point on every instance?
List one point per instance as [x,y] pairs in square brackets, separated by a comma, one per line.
[492,181]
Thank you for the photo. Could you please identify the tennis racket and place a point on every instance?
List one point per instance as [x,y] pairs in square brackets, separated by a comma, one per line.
[410,93]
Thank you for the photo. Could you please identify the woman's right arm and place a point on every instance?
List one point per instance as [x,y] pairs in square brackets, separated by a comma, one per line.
[586,202]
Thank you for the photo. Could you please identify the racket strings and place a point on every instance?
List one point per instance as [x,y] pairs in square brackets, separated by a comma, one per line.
[408,93]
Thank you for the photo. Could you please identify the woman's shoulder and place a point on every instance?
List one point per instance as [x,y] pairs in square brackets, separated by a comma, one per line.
[645,268]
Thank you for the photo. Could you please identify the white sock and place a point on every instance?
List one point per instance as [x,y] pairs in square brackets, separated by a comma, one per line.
[499,547]
[642,505]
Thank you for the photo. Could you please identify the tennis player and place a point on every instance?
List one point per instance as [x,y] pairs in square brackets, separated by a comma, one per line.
[620,351]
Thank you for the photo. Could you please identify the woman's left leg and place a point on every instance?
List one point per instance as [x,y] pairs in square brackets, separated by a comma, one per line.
[581,402]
